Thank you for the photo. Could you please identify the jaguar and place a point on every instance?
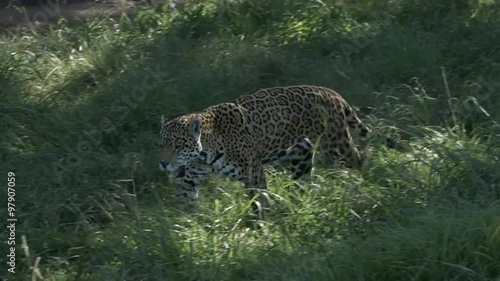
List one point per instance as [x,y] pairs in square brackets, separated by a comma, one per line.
[237,138]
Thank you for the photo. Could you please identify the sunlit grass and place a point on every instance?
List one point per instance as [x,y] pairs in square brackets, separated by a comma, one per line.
[80,104]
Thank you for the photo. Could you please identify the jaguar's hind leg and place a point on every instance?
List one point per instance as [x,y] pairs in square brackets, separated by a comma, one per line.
[338,147]
[301,156]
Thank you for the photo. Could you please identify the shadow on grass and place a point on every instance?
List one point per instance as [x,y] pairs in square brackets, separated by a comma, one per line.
[438,243]
[88,154]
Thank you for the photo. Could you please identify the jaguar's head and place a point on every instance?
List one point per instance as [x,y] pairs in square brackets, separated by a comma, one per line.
[180,143]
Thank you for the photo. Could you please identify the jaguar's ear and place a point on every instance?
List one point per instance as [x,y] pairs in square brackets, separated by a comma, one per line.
[163,120]
[195,128]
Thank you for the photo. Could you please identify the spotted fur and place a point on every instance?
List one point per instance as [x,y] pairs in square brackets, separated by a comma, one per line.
[237,138]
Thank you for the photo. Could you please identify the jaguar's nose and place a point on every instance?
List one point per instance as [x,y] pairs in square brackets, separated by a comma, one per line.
[163,165]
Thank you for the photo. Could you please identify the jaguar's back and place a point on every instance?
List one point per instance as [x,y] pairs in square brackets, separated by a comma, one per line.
[281,115]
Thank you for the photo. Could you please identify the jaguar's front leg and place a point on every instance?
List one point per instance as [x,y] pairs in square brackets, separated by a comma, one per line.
[190,181]
[254,180]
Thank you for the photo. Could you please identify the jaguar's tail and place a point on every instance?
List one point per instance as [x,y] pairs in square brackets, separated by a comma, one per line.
[364,131]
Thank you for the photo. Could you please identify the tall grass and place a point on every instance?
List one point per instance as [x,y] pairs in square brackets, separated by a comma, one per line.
[80,105]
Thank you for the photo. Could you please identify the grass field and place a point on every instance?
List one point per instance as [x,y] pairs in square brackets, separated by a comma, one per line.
[80,106]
